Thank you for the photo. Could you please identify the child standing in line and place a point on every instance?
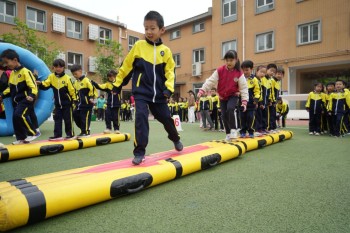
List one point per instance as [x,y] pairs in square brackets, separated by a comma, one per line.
[23,91]
[64,95]
[83,107]
[248,117]
[274,93]
[153,79]
[260,124]
[339,104]
[330,87]
[205,107]
[113,102]
[231,84]
[315,105]
[282,110]
[215,111]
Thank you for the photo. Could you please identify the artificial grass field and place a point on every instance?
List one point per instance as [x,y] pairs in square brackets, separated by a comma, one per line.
[300,185]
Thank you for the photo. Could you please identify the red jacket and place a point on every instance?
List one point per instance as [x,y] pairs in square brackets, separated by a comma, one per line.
[228,82]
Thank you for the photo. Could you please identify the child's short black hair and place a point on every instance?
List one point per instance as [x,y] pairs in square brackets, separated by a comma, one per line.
[260,67]
[10,54]
[75,67]
[58,63]
[232,54]
[272,65]
[330,84]
[342,81]
[317,84]
[247,64]
[280,70]
[112,73]
[154,15]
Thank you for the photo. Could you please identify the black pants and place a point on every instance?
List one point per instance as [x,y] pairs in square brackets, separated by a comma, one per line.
[112,116]
[32,117]
[248,121]
[284,117]
[338,123]
[315,121]
[229,113]
[161,112]
[21,120]
[100,114]
[265,120]
[66,114]
[272,124]
[82,118]
[215,118]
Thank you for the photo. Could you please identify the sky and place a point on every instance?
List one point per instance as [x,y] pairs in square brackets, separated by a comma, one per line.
[131,12]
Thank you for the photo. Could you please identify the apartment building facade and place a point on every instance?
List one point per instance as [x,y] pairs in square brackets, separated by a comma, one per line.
[76,32]
[310,39]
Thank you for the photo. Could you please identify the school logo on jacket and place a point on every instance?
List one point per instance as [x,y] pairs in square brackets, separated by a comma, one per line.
[162,53]
[19,75]
[63,82]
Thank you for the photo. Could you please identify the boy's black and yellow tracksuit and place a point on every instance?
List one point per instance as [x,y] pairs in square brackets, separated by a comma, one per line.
[282,110]
[315,105]
[21,84]
[266,101]
[248,117]
[215,111]
[338,106]
[64,95]
[276,90]
[206,106]
[86,92]
[113,103]
[152,68]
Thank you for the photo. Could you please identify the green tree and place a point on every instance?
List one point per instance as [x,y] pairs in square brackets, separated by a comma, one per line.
[108,55]
[27,38]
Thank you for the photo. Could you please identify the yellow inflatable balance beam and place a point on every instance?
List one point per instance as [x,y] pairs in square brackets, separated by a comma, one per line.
[46,147]
[33,199]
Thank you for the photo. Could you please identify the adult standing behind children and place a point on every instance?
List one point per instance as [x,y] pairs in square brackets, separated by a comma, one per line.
[191,107]
[64,95]
[151,65]
[231,84]
[113,102]
[23,91]
[83,107]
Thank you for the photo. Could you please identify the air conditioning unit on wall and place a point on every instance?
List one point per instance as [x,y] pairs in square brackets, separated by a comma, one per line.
[196,69]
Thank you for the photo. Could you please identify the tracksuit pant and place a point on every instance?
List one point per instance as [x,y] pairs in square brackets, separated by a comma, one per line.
[248,121]
[229,113]
[112,116]
[21,120]
[272,124]
[315,121]
[206,116]
[82,118]
[338,123]
[215,118]
[161,112]
[66,114]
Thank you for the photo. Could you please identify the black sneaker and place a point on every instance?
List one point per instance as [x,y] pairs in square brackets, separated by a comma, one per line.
[70,137]
[178,146]
[55,138]
[138,159]
[83,135]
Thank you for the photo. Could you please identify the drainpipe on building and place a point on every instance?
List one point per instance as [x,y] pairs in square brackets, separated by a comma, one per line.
[120,39]
[243,30]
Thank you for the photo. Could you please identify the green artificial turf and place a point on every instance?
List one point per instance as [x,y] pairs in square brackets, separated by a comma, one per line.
[299,185]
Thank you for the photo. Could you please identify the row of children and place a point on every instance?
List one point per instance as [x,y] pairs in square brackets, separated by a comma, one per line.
[126,109]
[71,100]
[329,109]
[248,101]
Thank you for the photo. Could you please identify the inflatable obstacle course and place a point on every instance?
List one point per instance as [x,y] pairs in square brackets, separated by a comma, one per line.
[45,147]
[33,199]
[43,104]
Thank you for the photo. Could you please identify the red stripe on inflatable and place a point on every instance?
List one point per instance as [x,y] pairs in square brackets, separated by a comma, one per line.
[150,160]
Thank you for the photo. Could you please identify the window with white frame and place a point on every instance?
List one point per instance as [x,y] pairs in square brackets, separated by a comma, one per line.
[264,5]
[7,11]
[74,59]
[174,34]
[198,55]
[265,42]
[309,32]
[177,60]
[197,87]
[198,27]
[228,45]
[132,41]
[229,10]
[74,29]
[105,35]
[36,19]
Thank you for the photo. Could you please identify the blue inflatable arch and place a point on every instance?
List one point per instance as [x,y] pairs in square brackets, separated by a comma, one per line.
[44,103]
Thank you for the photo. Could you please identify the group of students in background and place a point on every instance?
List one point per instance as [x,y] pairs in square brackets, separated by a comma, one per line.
[126,109]
[329,109]
[239,101]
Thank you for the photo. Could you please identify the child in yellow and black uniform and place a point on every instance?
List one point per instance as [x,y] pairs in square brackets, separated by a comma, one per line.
[328,126]
[64,95]
[266,100]
[153,79]
[86,93]
[205,107]
[113,102]
[23,91]
[315,106]
[338,105]
[248,117]
[215,111]
[282,110]
[173,107]
[274,93]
